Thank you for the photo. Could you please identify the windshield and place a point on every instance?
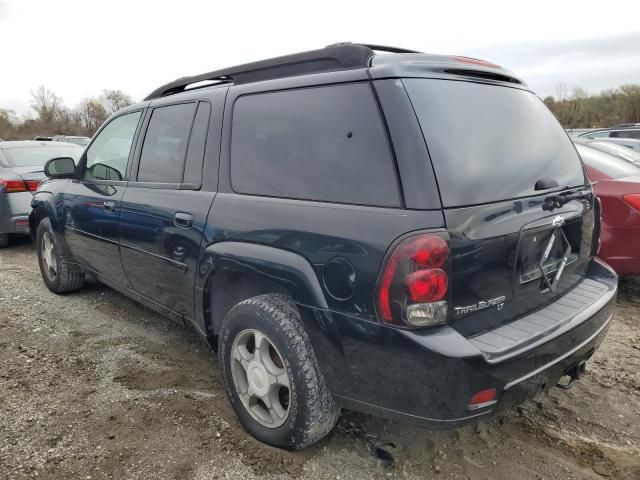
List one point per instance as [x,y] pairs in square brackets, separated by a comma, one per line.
[606,164]
[489,143]
[38,155]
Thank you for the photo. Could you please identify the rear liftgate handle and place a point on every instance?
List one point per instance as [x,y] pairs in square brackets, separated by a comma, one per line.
[183,220]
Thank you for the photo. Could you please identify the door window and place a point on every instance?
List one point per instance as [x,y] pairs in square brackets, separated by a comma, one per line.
[165,144]
[108,155]
[197,143]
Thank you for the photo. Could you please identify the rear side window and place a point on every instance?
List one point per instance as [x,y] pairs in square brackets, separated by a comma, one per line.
[322,143]
[490,143]
[165,144]
[626,134]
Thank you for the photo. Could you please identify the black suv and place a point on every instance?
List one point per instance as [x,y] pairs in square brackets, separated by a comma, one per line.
[404,234]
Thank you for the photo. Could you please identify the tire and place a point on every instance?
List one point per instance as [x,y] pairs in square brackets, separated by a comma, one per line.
[59,276]
[4,240]
[311,410]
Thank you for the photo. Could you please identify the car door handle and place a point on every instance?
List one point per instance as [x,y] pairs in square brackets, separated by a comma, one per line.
[183,220]
[109,206]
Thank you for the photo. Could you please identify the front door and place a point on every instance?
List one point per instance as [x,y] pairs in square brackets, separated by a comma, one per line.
[164,210]
[92,203]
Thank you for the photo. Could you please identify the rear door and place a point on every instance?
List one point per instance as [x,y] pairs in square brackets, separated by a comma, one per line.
[502,161]
[164,209]
[92,203]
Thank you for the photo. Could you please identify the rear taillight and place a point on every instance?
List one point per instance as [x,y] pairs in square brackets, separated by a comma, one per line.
[14,186]
[414,283]
[32,185]
[633,199]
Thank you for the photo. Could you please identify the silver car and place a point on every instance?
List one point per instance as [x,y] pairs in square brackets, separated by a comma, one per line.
[21,171]
[82,141]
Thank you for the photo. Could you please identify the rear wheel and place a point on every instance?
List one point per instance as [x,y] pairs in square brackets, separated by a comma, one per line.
[4,240]
[272,376]
[58,275]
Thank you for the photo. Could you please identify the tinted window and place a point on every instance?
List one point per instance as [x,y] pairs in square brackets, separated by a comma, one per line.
[606,164]
[38,156]
[626,134]
[325,143]
[491,143]
[165,144]
[108,155]
[197,142]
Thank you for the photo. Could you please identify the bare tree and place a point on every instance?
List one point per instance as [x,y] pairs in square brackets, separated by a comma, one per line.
[562,91]
[114,100]
[631,97]
[46,103]
[91,114]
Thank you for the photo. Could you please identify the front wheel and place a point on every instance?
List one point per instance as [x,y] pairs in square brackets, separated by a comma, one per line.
[272,376]
[4,240]
[59,276]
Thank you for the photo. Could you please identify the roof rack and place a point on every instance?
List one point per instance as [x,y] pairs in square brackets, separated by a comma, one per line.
[339,56]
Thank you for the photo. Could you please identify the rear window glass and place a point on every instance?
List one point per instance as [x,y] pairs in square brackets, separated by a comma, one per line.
[490,143]
[38,156]
[607,164]
[322,143]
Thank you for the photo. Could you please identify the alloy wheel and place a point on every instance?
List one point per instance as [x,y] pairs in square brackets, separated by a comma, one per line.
[48,256]
[260,378]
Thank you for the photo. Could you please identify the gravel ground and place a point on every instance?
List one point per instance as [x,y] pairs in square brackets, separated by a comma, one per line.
[93,385]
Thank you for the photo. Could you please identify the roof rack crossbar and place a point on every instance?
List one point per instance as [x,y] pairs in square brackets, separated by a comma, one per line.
[339,56]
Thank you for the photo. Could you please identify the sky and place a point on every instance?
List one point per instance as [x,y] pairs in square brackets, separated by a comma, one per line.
[77,48]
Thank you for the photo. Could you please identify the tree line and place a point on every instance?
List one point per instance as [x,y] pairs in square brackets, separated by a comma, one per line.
[578,109]
[52,117]
[574,109]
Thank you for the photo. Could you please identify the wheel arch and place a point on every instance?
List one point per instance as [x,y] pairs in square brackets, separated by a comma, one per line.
[235,271]
[42,207]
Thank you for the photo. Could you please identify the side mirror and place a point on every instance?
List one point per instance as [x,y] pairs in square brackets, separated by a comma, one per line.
[61,167]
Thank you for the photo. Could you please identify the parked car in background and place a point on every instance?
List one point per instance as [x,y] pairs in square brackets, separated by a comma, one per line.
[617,185]
[338,242]
[629,143]
[21,171]
[575,132]
[82,141]
[614,132]
[608,146]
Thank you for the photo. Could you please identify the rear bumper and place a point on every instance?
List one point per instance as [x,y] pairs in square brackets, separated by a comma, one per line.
[14,212]
[430,376]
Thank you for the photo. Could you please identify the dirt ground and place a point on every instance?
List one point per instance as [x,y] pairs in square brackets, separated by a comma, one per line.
[93,385]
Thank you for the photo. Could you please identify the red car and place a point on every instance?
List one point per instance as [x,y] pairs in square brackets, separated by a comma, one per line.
[617,184]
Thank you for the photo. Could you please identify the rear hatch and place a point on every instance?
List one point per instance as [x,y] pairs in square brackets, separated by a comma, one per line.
[517,204]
